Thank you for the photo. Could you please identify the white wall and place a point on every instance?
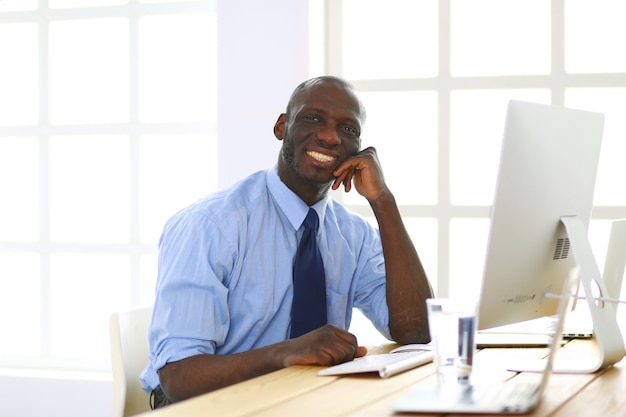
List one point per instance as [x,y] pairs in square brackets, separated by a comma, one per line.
[263,55]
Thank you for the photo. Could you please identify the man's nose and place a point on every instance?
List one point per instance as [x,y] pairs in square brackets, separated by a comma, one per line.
[329,135]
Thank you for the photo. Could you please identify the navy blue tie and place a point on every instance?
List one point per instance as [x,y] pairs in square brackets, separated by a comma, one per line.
[308,311]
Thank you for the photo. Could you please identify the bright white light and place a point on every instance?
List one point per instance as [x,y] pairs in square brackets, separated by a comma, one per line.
[89,71]
[391,39]
[90,189]
[19,188]
[495,37]
[594,36]
[178,68]
[19,76]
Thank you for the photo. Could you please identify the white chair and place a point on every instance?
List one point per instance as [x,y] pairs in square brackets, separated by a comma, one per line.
[129,355]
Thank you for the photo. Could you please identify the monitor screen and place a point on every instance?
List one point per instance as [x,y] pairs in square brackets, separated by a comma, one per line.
[547,170]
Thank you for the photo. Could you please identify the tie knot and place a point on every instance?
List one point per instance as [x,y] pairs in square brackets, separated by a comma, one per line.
[311,221]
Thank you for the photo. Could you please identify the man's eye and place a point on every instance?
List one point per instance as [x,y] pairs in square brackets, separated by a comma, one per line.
[351,131]
[312,118]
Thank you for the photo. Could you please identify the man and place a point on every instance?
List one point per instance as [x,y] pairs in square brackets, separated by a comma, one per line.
[224,294]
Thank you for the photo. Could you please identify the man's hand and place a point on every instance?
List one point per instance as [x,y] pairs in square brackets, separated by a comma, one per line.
[198,374]
[327,345]
[367,173]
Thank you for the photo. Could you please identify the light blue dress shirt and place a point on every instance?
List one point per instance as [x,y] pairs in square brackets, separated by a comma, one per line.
[226,264]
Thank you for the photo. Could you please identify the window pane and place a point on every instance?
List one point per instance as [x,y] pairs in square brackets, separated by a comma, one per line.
[19,77]
[89,71]
[19,188]
[468,246]
[424,234]
[89,189]
[19,298]
[598,233]
[594,36]
[174,172]
[476,129]
[18,5]
[403,128]
[58,4]
[391,39]
[85,290]
[611,170]
[177,68]
[495,37]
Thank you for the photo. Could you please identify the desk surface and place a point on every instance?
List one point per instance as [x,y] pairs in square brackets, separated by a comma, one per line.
[298,391]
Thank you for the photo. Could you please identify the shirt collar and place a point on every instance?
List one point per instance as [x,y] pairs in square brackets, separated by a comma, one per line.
[294,208]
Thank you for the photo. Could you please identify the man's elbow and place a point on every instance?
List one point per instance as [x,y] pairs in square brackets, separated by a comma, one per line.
[172,382]
[405,335]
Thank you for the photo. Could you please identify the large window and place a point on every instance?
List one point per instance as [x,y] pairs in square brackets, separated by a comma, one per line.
[436,78]
[107,127]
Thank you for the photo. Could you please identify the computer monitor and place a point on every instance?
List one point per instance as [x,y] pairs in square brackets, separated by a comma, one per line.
[548,163]
[539,220]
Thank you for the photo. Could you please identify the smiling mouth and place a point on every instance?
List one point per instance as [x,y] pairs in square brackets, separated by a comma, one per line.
[321,157]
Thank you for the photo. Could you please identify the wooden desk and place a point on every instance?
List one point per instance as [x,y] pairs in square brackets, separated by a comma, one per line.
[298,391]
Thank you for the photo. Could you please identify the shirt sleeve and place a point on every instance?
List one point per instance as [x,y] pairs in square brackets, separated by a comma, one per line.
[371,292]
[191,312]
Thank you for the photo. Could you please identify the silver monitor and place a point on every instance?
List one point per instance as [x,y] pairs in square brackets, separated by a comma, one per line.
[539,222]
[548,165]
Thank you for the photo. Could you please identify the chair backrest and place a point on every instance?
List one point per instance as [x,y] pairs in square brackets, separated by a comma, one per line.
[129,355]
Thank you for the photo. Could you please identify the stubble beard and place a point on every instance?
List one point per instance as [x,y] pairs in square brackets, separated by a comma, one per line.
[288,155]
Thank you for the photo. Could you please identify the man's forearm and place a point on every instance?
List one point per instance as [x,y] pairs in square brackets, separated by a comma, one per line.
[407,284]
[199,374]
[204,373]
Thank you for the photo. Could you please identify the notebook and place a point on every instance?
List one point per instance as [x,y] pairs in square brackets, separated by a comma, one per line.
[385,364]
[510,397]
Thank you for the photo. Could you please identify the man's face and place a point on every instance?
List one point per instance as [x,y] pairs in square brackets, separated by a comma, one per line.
[321,130]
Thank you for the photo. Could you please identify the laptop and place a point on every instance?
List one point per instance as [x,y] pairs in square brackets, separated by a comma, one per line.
[537,332]
[510,397]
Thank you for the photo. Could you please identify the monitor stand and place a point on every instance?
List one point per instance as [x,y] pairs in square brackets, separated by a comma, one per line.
[615,260]
[603,314]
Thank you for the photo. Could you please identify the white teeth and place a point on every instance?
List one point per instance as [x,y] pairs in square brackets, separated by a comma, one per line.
[320,156]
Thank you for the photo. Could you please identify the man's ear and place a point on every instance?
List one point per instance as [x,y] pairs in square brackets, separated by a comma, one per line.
[279,127]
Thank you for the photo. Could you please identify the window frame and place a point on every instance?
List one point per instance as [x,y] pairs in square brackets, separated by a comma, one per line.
[557,81]
[135,249]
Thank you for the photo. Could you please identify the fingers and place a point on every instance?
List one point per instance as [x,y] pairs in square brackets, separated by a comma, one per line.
[336,345]
[362,172]
[347,182]
[333,355]
[344,176]
[327,345]
[362,351]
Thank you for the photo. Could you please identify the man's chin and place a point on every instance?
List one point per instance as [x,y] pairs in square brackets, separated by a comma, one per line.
[321,178]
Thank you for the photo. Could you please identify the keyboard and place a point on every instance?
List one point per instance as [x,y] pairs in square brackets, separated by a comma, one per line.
[385,364]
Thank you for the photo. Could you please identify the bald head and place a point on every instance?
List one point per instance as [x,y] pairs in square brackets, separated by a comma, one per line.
[306,86]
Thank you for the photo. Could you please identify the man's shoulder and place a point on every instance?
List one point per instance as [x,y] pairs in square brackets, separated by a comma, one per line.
[242,195]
